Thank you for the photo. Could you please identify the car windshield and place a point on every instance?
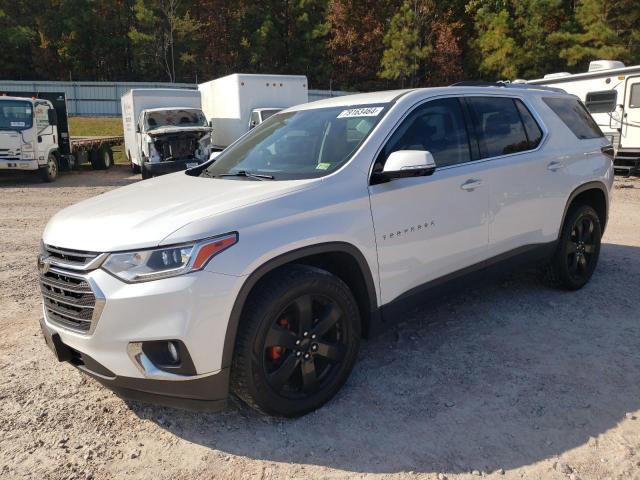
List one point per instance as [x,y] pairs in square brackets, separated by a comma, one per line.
[298,145]
[175,118]
[15,115]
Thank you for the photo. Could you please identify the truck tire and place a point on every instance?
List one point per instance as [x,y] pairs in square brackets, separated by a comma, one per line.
[49,172]
[101,159]
[146,174]
[297,342]
[578,249]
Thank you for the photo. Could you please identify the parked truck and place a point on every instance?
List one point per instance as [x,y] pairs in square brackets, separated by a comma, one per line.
[236,103]
[165,130]
[34,136]
[611,92]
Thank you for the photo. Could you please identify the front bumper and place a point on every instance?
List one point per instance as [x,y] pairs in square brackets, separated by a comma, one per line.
[203,393]
[193,309]
[160,168]
[16,164]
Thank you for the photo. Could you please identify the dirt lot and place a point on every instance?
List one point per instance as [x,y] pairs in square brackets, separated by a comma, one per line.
[511,380]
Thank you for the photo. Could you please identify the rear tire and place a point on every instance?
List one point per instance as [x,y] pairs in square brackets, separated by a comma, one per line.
[297,342]
[49,173]
[578,249]
[146,174]
[101,159]
[134,167]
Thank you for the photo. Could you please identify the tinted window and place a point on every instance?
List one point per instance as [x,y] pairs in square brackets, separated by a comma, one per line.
[531,127]
[634,99]
[499,126]
[601,102]
[575,116]
[438,127]
[301,144]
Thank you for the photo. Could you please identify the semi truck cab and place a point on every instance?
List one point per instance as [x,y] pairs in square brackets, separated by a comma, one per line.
[29,136]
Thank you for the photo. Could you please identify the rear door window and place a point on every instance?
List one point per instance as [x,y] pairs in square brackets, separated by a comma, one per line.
[531,127]
[499,126]
[575,116]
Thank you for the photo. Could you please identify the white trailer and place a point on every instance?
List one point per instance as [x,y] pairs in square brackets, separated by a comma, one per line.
[611,93]
[236,103]
[164,130]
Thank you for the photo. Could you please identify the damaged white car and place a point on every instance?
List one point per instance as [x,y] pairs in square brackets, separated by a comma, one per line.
[173,140]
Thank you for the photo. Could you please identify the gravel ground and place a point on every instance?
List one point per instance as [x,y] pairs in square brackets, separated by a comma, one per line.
[510,380]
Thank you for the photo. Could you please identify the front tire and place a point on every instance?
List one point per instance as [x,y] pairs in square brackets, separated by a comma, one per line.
[578,249]
[297,342]
[49,172]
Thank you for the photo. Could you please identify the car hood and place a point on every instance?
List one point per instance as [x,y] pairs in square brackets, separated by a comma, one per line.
[145,213]
[165,130]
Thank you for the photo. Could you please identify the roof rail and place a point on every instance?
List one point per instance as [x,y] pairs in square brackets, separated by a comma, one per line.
[505,84]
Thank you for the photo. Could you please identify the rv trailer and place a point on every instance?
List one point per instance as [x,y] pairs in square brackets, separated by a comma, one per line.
[611,93]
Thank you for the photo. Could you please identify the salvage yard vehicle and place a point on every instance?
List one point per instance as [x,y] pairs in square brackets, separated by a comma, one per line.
[237,103]
[611,93]
[34,136]
[165,130]
[260,272]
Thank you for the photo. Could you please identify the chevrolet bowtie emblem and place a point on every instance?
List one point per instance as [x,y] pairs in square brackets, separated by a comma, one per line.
[43,265]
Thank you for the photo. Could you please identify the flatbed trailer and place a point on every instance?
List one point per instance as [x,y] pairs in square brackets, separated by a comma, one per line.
[93,150]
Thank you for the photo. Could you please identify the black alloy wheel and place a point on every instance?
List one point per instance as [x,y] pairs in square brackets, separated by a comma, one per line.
[297,341]
[578,249]
[304,346]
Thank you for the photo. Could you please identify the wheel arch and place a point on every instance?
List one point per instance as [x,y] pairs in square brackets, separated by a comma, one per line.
[339,258]
[594,194]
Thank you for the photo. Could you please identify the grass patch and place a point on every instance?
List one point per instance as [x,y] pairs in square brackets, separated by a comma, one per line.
[98,126]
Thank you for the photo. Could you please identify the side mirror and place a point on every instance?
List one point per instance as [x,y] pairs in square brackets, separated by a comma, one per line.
[211,123]
[252,124]
[137,128]
[52,117]
[409,163]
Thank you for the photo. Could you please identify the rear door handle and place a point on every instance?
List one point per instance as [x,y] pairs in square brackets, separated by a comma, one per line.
[471,184]
[555,166]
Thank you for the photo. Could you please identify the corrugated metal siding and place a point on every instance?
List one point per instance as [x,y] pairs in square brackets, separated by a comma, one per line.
[102,99]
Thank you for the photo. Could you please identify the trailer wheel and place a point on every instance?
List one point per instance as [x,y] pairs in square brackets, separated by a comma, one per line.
[101,159]
[49,172]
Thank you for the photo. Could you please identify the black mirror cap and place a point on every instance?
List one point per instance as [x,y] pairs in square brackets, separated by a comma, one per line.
[384,177]
[609,151]
[52,117]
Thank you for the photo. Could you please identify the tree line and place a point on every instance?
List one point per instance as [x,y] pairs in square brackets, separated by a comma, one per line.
[338,44]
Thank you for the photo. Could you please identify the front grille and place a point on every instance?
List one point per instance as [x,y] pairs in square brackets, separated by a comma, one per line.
[68,296]
[75,258]
[8,154]
[68,299]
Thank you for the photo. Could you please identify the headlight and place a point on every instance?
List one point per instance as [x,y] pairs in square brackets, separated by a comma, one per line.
[163,262]
[27,155]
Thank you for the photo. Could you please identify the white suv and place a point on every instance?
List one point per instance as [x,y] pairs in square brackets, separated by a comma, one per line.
[261,270]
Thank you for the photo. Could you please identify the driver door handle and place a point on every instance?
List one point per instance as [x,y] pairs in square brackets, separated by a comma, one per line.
[471,184]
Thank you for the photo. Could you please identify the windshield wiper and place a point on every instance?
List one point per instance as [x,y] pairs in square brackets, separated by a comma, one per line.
[244,173]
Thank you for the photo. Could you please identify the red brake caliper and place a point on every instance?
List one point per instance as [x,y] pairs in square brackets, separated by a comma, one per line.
[276,352]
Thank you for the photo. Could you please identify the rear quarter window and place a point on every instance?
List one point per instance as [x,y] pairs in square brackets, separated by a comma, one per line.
[575,116]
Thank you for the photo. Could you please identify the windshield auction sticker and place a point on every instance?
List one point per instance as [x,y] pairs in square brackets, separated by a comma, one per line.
[361,112]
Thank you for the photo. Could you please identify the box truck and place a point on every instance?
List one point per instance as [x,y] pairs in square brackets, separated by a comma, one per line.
[236,103]
[165,130]
[34,136]
[611,92]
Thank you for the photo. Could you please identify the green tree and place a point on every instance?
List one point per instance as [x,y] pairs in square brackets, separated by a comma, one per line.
[405,44]
[604,30]
[164,38]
